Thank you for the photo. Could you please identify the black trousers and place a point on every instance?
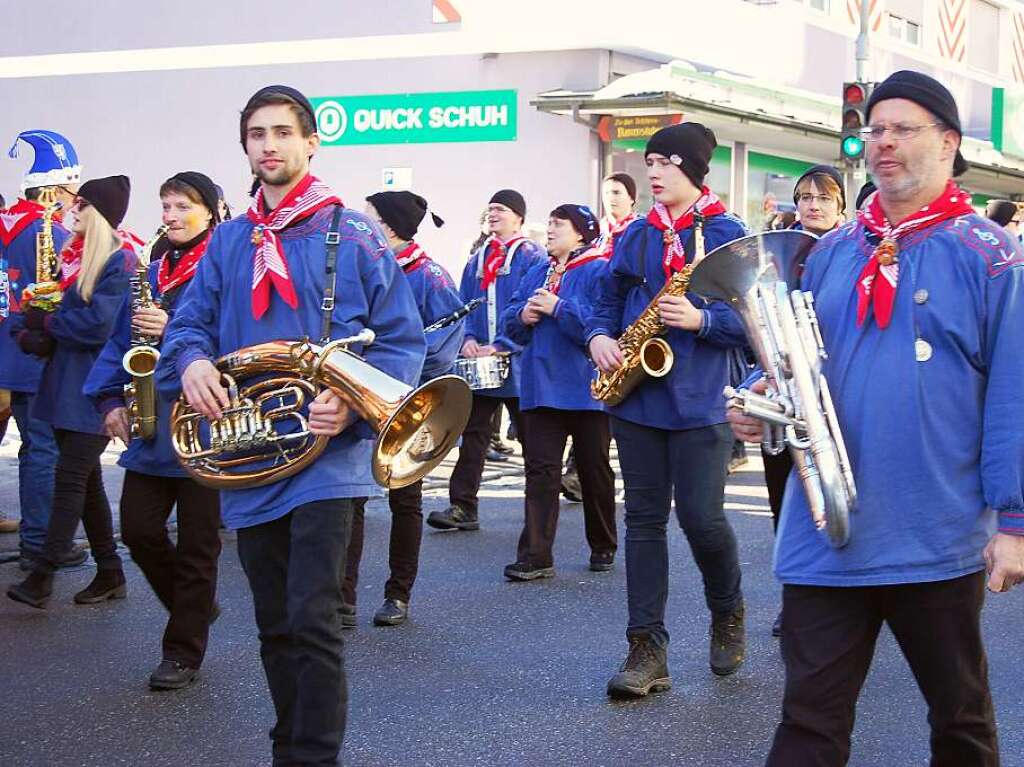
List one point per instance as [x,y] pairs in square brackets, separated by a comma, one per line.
[183,576]
[776,472]
[828,640]
[403,549]
[295,565]
[78,496]
[465,480]
[546,432]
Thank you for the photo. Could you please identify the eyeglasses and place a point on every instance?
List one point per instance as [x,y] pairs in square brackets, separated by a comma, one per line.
[897,132]
[822,199]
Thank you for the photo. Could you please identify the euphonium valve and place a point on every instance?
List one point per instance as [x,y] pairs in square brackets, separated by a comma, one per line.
[263,436]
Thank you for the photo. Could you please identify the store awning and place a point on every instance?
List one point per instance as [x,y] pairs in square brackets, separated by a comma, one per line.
[777,119]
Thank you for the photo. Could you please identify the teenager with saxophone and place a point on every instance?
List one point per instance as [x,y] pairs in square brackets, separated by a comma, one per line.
[183,575]
[31,234]
[671,432]
[95,265]
[297,265]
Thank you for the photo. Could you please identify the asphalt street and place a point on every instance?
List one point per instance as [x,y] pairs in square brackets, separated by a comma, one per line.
[486,671]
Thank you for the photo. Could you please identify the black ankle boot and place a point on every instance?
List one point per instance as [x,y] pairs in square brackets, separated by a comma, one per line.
[645,670]
[34,591]
[108,584]
[728,641]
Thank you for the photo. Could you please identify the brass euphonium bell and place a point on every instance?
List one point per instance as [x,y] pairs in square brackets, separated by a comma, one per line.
[246,447]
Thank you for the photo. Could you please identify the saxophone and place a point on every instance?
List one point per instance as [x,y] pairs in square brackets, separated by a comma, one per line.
[644,352]
[45,292]
[141,358]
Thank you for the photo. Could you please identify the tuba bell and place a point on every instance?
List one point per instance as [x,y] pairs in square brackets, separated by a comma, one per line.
[263,435]
[759,276]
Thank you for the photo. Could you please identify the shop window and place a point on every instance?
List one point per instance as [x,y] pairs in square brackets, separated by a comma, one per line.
[905,30]
[983,36]
[819,5]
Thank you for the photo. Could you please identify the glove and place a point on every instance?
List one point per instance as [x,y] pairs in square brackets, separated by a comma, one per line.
[35,318]
[37,342]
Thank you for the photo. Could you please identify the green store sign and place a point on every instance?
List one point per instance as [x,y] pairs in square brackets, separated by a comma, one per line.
[1008,120]
[417,118]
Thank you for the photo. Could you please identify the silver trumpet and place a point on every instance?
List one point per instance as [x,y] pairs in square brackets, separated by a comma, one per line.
[759,276]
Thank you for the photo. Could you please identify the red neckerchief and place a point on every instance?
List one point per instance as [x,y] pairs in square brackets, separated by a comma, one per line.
[183,270]
[269,264]
[556,271]
[707,205]
[410,257]
[17,218]
[70,262]
[884,261]
[132,241]
[496,252]
[610,229]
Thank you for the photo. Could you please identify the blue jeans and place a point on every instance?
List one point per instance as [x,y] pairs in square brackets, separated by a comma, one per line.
[295,566]
[36,461]
[690,466]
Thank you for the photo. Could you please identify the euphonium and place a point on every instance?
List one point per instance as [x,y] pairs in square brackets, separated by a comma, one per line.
[644,353]
[140,360]
[45,292]
[263,435]
[760,276]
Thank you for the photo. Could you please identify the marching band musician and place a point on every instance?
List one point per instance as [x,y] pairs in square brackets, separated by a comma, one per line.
[820,202]
[494,271]
[671,432]
[267,275]
[399,215]
[618,194]
[919,305]
[183,576]
[94,270]
[55,173]
[547,317]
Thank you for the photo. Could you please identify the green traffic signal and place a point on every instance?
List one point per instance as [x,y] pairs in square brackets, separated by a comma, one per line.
[853,146]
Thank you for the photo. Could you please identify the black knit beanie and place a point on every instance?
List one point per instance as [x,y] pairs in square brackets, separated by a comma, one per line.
[926,92]
[109,196]
[1001,212]
[582,219]
[204,187]
[512,200]
[688,145]
[864,193]
[402,211]
[281,90]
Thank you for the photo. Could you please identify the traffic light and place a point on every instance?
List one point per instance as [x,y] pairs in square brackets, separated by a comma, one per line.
[855,117]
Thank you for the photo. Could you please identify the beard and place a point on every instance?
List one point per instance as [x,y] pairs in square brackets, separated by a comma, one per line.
[282,176]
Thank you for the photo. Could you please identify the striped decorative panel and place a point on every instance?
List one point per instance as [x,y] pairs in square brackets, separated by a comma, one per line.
[874,13]
[1018,46]
[445,13]
[953,29]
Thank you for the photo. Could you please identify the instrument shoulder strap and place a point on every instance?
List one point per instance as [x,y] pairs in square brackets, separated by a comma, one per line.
[332,240]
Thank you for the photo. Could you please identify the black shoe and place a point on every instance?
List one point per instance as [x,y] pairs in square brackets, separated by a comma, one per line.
[453,518]
[571,487]
[108,584]
[777,626]
[502,447]
[602,563]
[348,616]
[728,644]
[394,612]
[171,675]
[644,671]
[522,571]
[75,556]
[495,457]
[34,591]
[214,614]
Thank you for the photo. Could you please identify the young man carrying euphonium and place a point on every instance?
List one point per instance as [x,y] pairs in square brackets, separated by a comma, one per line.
[671,432]
[266,276]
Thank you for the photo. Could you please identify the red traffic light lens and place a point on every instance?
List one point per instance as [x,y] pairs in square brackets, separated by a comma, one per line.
[854,93]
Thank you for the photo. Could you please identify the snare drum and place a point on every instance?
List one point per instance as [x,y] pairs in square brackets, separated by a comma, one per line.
[483,372]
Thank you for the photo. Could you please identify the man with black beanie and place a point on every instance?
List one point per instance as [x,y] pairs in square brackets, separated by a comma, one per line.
[494,272]
[671,431]
[399,215]
[918,303]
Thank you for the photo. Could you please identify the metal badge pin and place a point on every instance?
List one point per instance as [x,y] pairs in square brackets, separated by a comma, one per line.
[922,350]
[921,296]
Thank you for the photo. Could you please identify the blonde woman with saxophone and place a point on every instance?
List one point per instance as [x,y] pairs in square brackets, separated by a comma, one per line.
[183,574]
[671,430]
[94,269]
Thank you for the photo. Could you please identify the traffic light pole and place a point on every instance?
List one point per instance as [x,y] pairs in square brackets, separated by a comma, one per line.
[854,177]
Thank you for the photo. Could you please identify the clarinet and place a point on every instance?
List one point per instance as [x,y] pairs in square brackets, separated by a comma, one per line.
[455,316]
